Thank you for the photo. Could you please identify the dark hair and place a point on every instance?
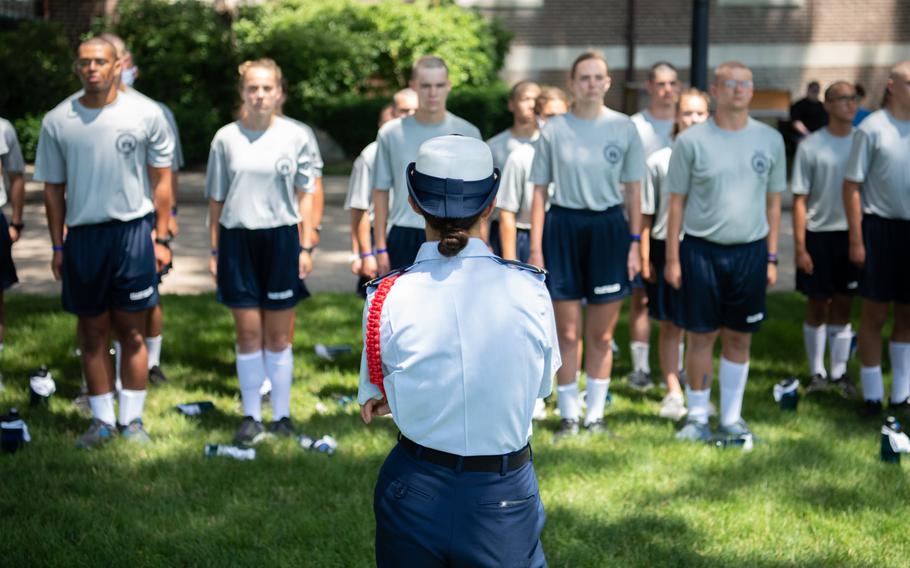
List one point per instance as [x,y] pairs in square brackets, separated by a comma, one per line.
[453,233]
[829,92]
[860,91]
[661,66]
[590,54]
[520,87]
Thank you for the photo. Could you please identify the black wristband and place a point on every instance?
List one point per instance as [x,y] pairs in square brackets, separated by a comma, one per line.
[166,241]
[18,226]
[308,250]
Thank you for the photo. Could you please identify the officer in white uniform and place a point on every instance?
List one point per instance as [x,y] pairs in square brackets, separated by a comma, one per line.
[458,346]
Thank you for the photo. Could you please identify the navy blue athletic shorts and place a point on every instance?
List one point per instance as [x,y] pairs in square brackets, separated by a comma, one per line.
[722,285]
[663,299]
[430,515]
[832,271]
[522,242]
[109,266]
[886,274]
[259,268]
[586,253]
[8,275]
[403,244]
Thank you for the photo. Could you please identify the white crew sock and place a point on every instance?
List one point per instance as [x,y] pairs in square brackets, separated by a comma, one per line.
[682,356]
[699,403]
[102,406]
[900,371]
[131,403]
[640,352]
[280,369]
[251,373]
[814,340]
[118,358]
[873,385]
[153,344]
[567,401]
[597,398]
[732,378]
[839,339]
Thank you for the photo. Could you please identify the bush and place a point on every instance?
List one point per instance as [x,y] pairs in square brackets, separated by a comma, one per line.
[27,129]
[36,69]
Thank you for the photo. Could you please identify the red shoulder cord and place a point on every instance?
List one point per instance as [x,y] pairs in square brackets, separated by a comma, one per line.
[374,359]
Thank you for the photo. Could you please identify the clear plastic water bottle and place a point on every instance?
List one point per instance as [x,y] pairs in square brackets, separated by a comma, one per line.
[329,352]
[894,441]
[195,408]
[13,432]
[324,445]
[42,386]
[786,393]
[237,453]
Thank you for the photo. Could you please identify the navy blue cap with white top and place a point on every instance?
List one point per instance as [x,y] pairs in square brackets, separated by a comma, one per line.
[453,177]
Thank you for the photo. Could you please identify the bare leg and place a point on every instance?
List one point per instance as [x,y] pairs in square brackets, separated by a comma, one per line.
[129,327]
[568,319]
[670,335]
[94,341]
[599,328]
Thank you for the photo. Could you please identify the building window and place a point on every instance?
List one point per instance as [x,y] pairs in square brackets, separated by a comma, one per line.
[762,3]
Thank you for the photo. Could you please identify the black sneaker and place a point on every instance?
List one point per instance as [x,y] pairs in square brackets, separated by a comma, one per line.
[250,432]
[283,427]
[901,410]
[567,427]
[871,409]
[597,427]
[845,386]
[156,376]
[818,383]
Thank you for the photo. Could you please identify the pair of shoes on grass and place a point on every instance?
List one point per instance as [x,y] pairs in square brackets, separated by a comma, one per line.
[737,433]
[568,428]
[100,433]
[252,431]
[843,385]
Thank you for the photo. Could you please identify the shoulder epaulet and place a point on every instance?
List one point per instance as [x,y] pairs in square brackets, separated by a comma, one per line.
[520,265]
[375,281]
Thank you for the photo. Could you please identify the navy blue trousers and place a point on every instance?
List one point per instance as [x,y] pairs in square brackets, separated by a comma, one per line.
[430,515]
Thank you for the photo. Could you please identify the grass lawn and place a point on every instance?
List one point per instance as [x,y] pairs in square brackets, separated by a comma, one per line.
[814,494]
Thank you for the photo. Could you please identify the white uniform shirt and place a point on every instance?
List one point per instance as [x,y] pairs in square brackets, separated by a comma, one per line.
[399,140]
[818,171]
[655,199]
[257,174]
[467,346]
[10,156]
[360,184]
[726,177]
[588,160]
[102,155]
[880,160]
[654,132]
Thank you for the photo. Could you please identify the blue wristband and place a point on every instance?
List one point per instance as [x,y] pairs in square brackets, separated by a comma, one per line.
[382,251]
[56,248]
[214,252]
[366,254]
[635,238]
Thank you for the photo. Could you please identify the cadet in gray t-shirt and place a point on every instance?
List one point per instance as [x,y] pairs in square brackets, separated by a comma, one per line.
[12,166]
[654,133]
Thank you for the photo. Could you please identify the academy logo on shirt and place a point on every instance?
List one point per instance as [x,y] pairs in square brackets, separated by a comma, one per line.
[126,143]
[613,154]
[284,166]
[760,163]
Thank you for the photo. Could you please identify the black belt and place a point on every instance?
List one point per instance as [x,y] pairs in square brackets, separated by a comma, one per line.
[493,464]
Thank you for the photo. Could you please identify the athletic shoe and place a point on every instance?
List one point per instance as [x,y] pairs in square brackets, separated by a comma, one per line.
[673,406]
[818,383]
[567,428]
[871,409]
[845,386]
[283,427]
[736,434]
[694,431]
[597,427]
[901,410]
[98,433]
[250,431]
[156,376]
[640,381]
[134,432]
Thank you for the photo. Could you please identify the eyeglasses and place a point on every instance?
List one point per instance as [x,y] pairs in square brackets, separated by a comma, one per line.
[733,83]
[82,63]
[844,99]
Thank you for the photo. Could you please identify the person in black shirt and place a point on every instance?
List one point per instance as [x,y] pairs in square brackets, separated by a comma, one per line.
[808,114]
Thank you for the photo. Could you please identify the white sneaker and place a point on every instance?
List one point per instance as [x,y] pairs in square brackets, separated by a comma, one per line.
[540,410]
[673,406]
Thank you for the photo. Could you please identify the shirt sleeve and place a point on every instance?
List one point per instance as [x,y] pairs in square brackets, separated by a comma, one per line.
[777,179]
[382,168]
[175,132]
[50,162]
[679,173]
[303,175]
[649,190]
[366,390]
[4,149]
[860,157]
[160,153]
[801,180]
[552,361]
[541,168]
[316,162]
[359,189]
[217,177]
[633,166]
[512,186]
[13,161]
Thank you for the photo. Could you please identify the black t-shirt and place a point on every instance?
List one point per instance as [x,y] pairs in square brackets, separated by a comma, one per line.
[812,114]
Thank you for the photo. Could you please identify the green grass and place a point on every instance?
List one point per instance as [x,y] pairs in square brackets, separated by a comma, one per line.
[815,494]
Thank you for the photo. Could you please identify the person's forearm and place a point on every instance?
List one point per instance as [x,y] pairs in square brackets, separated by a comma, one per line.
[633,206]
[17,195]
[214,218]
[318,203]
[853,210]
[507,238]
[306,219]
[773,212]
[538,213]
[360,231]
[800,127]
[380,216]
[646,221]
[799,222]
[55,208]
[162,194]
[674,226]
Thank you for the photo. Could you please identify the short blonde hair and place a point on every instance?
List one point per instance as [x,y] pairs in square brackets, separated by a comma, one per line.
[261,63]
[729,66]
[547,94]
[429,62]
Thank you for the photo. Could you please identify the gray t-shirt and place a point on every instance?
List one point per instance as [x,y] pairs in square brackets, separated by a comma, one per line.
[102,156]
[399,140]
[880,160]
[360,188]
[257,174]
[10,156]
[315,155]
[655,199]
[726,177]
[516,193]
[588,160]
[178,147]
[504,144]
[654,132]
[818,171]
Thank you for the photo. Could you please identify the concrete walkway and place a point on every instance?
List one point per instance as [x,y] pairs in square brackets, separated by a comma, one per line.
[331,271]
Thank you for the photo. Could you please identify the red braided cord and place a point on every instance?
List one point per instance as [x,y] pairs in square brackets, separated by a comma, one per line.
[374,360]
